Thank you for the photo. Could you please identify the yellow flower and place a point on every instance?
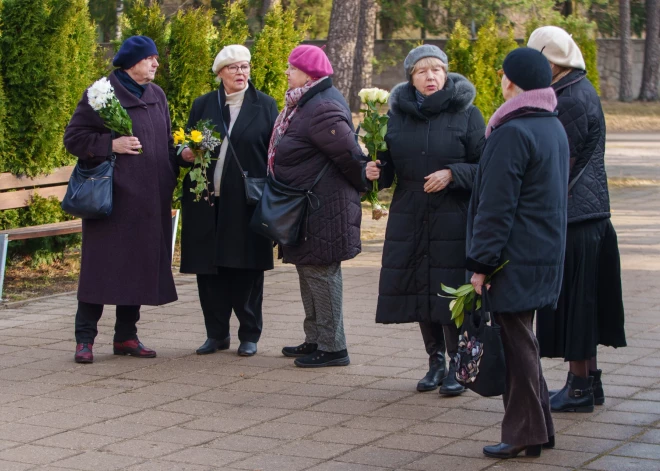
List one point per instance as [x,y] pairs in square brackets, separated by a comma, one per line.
[196,136]
[179,136]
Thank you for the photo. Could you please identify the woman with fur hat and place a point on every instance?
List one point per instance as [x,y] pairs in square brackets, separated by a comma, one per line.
[590,310]
[228,258]
[314,137]
[434,141]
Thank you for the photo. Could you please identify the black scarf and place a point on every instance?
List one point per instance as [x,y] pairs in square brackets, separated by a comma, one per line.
[130,84]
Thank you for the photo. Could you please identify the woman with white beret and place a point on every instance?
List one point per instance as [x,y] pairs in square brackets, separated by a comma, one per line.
[590,309]
[216,243]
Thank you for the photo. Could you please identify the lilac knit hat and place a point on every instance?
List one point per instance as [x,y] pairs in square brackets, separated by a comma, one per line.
[311,60]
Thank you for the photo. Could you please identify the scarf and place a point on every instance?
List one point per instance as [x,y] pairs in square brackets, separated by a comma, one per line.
[129,84]
[543,99]
[283,120]
[420,98]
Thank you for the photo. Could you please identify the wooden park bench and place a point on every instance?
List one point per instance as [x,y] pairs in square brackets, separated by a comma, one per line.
[16,192]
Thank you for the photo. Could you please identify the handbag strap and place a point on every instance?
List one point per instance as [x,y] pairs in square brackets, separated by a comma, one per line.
[572,183]
[231,147]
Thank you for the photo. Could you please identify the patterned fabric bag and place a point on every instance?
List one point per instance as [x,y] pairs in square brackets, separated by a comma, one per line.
[480,364]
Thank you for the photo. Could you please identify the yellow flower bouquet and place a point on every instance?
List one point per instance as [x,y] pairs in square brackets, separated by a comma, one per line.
[202,141]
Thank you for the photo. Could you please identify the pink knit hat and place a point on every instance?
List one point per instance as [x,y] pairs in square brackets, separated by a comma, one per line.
[311,60]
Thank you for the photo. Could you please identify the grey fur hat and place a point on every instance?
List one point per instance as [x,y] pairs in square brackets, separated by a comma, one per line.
[421,52]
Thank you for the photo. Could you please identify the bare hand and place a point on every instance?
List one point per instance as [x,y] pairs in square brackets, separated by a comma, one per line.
[437,181]
[373,172]
[187,155]
[126,145]
[478,282]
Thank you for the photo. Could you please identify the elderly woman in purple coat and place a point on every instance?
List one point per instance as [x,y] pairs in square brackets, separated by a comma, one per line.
[126,257]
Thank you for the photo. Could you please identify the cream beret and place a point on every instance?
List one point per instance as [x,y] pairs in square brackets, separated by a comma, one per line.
[230,55]
[557,46]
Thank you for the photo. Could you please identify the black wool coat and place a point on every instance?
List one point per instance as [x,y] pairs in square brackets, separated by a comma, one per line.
[581,114]
[322,131]
[518,212]
[127,257]
[425,237]
[208,239]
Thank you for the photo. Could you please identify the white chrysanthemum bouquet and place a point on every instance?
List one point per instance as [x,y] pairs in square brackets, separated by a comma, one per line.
[102,99]
[375,126]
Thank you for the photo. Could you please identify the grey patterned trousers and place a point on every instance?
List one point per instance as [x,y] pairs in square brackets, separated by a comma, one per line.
[321,290]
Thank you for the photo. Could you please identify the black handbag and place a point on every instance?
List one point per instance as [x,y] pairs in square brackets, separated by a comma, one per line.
[254,186]
[89,193]
[480,364]
[281,213]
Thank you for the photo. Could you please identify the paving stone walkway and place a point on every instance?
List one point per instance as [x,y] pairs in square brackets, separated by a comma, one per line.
[186,412]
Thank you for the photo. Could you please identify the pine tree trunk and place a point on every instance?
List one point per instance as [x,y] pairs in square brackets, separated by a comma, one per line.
[625,84]
[364,52]
[342,40]
[649,91]
[120,10]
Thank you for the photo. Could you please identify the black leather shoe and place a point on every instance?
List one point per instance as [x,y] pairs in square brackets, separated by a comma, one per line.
[320,359]
[300,351]
[247,349]
[550,443]
[435,374]
[599,394]
[503,451]
[577,395]
[451,387]
[213,345]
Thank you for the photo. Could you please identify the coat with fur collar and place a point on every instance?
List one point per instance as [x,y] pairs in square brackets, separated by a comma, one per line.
[425,238]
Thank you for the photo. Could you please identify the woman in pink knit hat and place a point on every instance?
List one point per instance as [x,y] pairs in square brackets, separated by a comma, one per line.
[314,136]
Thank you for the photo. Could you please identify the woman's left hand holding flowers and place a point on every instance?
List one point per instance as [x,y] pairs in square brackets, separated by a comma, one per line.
[373,171]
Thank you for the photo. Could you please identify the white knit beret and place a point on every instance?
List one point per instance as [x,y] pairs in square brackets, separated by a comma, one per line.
[557,46]
[230,55]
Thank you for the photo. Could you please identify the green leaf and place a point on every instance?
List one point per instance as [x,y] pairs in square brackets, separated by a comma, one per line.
[383,131]
[459,320]
[464,289]
[447,289]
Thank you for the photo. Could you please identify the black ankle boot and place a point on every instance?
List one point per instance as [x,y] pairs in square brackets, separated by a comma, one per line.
[599,394]
[433,378]
[451,387]
[576,396]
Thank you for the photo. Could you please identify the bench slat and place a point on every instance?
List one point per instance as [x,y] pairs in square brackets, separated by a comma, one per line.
[45,230]
[20,199]
[59,175]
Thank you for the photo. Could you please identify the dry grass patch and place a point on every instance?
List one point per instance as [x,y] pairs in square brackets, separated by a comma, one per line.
[632,117]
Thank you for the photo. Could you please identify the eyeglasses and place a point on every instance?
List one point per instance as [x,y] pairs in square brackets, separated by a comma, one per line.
[233,69]
[500,73]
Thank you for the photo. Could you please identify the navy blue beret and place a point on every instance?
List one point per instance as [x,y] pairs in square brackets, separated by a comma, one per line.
[528,68]
[133,50]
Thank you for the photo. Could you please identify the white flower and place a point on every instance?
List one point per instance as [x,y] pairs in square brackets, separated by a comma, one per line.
[100,94]
[374,94]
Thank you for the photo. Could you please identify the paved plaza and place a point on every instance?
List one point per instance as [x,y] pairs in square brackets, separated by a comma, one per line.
[182,411]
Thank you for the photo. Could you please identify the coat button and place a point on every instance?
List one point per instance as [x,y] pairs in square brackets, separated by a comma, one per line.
[423,153]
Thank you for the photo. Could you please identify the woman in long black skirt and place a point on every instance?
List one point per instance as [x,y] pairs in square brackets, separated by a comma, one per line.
[590,308]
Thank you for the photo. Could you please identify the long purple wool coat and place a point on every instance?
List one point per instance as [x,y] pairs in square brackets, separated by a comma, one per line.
[126,257]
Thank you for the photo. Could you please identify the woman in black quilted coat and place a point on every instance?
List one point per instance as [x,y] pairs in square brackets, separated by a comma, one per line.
[314,135]
[434,139]
[590,309]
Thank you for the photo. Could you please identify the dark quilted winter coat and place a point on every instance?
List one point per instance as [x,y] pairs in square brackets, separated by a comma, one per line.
[127,257]
[425,237]
[581,115]
[322,131]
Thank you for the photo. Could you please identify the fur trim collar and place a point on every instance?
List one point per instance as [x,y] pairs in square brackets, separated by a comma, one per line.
[402,97]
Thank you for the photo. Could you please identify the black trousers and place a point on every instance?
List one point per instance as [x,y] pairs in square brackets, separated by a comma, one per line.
[232,289]
[87,319]
[436,336]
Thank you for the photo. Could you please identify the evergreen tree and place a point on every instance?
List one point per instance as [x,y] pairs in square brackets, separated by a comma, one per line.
[271,51]
[459,50]
[234,28]
[192,43]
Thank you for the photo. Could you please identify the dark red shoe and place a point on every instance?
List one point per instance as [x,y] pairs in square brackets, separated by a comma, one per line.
[84,353]
[133,348]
